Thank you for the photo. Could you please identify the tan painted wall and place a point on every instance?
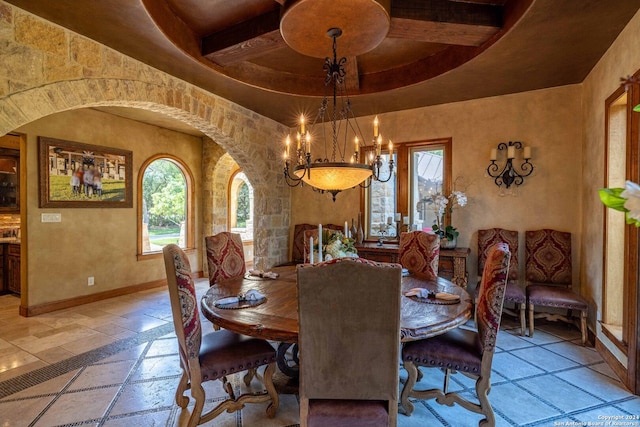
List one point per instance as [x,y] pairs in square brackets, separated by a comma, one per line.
[97,242]
[547,120]
[622,59]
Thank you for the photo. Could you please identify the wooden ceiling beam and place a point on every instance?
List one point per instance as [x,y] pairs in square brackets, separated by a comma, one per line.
[433,21]
[245,40]
[449,11]
[440,32]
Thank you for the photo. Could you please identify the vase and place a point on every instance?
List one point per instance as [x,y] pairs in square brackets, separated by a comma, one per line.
[353,229]
[448,243]
[360,233]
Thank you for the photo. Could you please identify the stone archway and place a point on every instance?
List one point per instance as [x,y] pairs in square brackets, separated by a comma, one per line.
[48,69]
[240,132]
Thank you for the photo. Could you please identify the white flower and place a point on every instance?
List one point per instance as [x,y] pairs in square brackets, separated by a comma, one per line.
[632,194]
[459,197]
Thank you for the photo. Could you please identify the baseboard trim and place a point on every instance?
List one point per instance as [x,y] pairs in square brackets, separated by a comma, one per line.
[617,367]
[48,307]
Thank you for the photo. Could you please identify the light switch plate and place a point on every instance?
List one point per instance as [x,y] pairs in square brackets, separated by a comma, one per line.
[51,217]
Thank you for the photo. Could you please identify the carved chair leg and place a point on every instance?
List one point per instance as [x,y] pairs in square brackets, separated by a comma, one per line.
[583,326]
[267,379]
[199,395]
[531,327]
[182,400]
[251,373]
[445,386]
[523,322]
[483,388]
[412,371]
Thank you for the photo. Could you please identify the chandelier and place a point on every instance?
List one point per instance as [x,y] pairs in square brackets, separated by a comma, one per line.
[343,168]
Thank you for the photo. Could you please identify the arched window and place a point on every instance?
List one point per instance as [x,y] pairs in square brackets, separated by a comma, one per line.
[241,206]
[165,192]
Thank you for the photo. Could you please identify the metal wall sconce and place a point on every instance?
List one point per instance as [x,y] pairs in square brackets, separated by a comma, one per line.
[508,174]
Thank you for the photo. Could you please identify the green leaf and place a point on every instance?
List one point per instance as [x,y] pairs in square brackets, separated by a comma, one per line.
[612,199]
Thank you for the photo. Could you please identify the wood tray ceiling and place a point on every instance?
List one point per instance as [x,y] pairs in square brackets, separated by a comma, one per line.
[436,51]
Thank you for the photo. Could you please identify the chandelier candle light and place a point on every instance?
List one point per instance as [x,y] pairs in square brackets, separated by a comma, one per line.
[343,168]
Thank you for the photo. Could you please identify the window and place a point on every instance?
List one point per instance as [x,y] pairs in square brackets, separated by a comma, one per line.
[241,206]
[164,205]
[420,168]
[620,239]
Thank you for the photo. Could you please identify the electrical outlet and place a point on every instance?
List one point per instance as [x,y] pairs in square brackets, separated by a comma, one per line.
[51,217]
[90,281]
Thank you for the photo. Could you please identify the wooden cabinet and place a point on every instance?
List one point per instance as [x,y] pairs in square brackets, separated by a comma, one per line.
[9,180]
[12,255]
[10,268]
[452,264]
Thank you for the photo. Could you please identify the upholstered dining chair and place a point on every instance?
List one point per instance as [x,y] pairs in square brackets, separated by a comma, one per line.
[420,253]
[514,293]
[349,339]
[549,279]
[214,355]
[225,256]
[468,352]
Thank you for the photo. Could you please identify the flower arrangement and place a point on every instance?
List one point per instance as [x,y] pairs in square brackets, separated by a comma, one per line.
[337,246]
[441,205]
[626,200]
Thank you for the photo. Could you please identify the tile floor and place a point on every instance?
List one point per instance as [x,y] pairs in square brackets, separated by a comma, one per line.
[115,363]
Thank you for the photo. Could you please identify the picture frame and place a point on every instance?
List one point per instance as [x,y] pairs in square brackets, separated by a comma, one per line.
[78,175]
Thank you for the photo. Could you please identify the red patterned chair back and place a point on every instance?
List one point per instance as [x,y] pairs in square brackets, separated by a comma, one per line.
[491,296]
[488,238]
[548,257]
[184,304]
[225,256]
[420,253]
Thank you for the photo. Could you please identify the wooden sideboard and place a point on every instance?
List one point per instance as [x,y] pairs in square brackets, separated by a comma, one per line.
[452,264]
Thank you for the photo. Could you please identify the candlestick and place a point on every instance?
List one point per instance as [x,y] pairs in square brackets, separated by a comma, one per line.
[389,220]
[511,152]
[346,229]
[398,216]
[527,152]
[310,249]
[405,220]
[494,154]
[320,257]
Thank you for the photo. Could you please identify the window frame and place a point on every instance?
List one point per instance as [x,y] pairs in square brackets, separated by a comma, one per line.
[402,152]
[190,214]
[631,277]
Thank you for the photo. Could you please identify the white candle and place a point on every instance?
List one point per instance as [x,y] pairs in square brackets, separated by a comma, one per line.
[405,220]
[310,249]
[527,152]
[320,257]
[398,216]
[494,154]
[511,152]
[389,220]
[346,229]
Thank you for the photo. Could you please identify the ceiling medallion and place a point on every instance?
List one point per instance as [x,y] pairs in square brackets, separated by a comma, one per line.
[364,25]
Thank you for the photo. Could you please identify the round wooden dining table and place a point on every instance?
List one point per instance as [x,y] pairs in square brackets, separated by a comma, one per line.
[276,319]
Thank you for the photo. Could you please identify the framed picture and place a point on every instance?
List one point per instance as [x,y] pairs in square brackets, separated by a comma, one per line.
[76,175]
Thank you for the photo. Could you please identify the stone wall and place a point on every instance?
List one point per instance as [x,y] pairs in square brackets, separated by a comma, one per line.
[47,69]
